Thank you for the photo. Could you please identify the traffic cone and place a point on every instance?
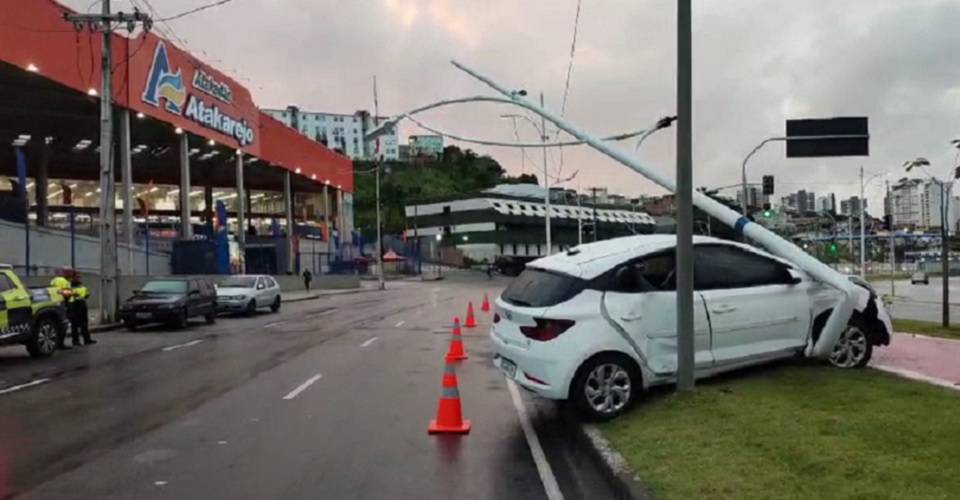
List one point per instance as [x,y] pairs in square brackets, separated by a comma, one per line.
[485,305]
[456,352]
[471,321]
[449,413]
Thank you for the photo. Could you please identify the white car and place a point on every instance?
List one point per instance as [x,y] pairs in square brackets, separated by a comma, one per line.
[597,324]
[247,293]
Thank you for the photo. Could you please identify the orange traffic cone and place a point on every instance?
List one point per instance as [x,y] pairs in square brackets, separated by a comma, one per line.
[449,413]
[456,352]
[471,321]
[485,305]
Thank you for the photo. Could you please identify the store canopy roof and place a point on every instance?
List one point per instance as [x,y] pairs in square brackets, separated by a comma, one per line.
[48,69]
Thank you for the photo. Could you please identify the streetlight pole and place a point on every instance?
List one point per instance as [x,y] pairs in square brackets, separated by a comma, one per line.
[380,281]
[546,176]
[922,163]
[684,196]
[893,254]
[862,215]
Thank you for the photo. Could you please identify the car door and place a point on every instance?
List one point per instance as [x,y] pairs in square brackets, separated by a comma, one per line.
[194,298]
[640,301]
[209,295]
[756,306]
[15,311]
[261,292]
[272,288]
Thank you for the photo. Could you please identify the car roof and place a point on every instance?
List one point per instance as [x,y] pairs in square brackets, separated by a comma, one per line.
[590,260]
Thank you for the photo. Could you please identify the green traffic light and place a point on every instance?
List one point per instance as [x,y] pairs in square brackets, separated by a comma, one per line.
[833,248]
[766,213]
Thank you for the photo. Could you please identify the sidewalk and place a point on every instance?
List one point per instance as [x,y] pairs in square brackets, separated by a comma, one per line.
[929,359]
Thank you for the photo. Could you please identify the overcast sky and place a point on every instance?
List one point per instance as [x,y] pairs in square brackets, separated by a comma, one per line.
[756,63]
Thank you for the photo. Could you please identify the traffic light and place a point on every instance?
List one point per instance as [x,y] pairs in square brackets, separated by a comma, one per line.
[767,213]
[768,185]
[833,248]
[888,221]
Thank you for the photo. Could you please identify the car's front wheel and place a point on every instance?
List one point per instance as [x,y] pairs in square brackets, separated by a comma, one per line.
[853,348]
[44,341]
[605,386]
[275,307]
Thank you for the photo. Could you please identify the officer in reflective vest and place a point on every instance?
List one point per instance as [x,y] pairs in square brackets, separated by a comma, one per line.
[78,313]
[61,283]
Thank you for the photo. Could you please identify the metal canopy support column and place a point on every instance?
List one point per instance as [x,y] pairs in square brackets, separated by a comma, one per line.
[43,204]
[126,186]
[186,227]
[288,210]
[241,213]
[326,221]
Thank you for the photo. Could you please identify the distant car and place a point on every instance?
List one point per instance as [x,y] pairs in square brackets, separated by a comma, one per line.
[247,294]
[597,324]
[920,277]
[170,300]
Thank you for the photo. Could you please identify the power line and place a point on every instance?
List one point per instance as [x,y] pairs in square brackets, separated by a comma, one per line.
[198,9]
[573,52]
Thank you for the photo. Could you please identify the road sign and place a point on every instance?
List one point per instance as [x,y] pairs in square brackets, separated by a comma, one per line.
[818,137]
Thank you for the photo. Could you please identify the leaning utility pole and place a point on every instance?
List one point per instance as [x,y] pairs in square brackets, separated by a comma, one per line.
[104,23]
[546,177]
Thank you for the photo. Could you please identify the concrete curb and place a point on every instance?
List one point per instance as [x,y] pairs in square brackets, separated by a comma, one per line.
[618,472]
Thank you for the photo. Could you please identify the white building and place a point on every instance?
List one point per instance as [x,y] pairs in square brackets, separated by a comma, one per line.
[826,203]
[340,132]
[915,203]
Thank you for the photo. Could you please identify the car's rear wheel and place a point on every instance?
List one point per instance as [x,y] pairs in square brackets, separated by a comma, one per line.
[44,341]
[211,317]
[275,307]
[131,325]
[853,348]
[605,386]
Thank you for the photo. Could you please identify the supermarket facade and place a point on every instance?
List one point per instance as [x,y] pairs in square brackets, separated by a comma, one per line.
[189,144]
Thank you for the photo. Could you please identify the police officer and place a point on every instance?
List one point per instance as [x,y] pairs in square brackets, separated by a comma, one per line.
[78,312]
[61,283]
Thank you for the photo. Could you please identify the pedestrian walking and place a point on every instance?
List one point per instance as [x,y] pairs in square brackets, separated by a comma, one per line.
[307,278]
[78,312]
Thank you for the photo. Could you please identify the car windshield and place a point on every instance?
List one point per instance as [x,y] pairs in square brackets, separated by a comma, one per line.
[539,288]
[165,286]
[238,282]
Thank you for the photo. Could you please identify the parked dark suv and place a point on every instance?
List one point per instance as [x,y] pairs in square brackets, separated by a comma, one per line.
[170,300]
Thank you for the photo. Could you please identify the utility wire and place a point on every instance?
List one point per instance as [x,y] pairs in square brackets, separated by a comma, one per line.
[194,11]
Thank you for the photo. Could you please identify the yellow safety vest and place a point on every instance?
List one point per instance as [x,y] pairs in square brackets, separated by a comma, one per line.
[60,282]
[80,293]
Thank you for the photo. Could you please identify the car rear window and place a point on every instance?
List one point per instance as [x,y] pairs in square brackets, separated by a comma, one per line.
[539,288]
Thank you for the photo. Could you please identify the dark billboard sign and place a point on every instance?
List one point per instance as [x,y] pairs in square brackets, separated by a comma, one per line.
[819,137]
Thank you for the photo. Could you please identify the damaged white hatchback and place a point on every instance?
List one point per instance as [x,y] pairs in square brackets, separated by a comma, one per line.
[597,324]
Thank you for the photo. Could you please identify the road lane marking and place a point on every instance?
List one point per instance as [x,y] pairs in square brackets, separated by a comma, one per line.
[368,342]
[399,323]
[550,485]
[24,386]
[275,323]
[181,346]
[310,381]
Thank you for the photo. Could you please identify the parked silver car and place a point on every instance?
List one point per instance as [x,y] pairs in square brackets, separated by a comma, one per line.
[920,277]
[247,293]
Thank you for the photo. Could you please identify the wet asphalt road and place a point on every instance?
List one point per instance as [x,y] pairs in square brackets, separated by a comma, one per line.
[328,399]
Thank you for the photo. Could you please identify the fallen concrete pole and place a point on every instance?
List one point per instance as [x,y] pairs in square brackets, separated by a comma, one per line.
[842,311]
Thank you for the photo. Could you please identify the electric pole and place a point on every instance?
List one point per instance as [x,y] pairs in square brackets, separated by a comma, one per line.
[684,200]
[546,177]
[104,23]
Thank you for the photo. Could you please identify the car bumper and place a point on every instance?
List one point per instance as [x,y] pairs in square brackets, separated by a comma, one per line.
[232,305]
[155,316]
[542,376]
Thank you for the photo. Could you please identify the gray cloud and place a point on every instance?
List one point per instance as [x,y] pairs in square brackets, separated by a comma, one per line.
[756,63]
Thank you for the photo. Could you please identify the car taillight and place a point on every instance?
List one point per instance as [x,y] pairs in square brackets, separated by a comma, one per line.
[496,317]
[546,329]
